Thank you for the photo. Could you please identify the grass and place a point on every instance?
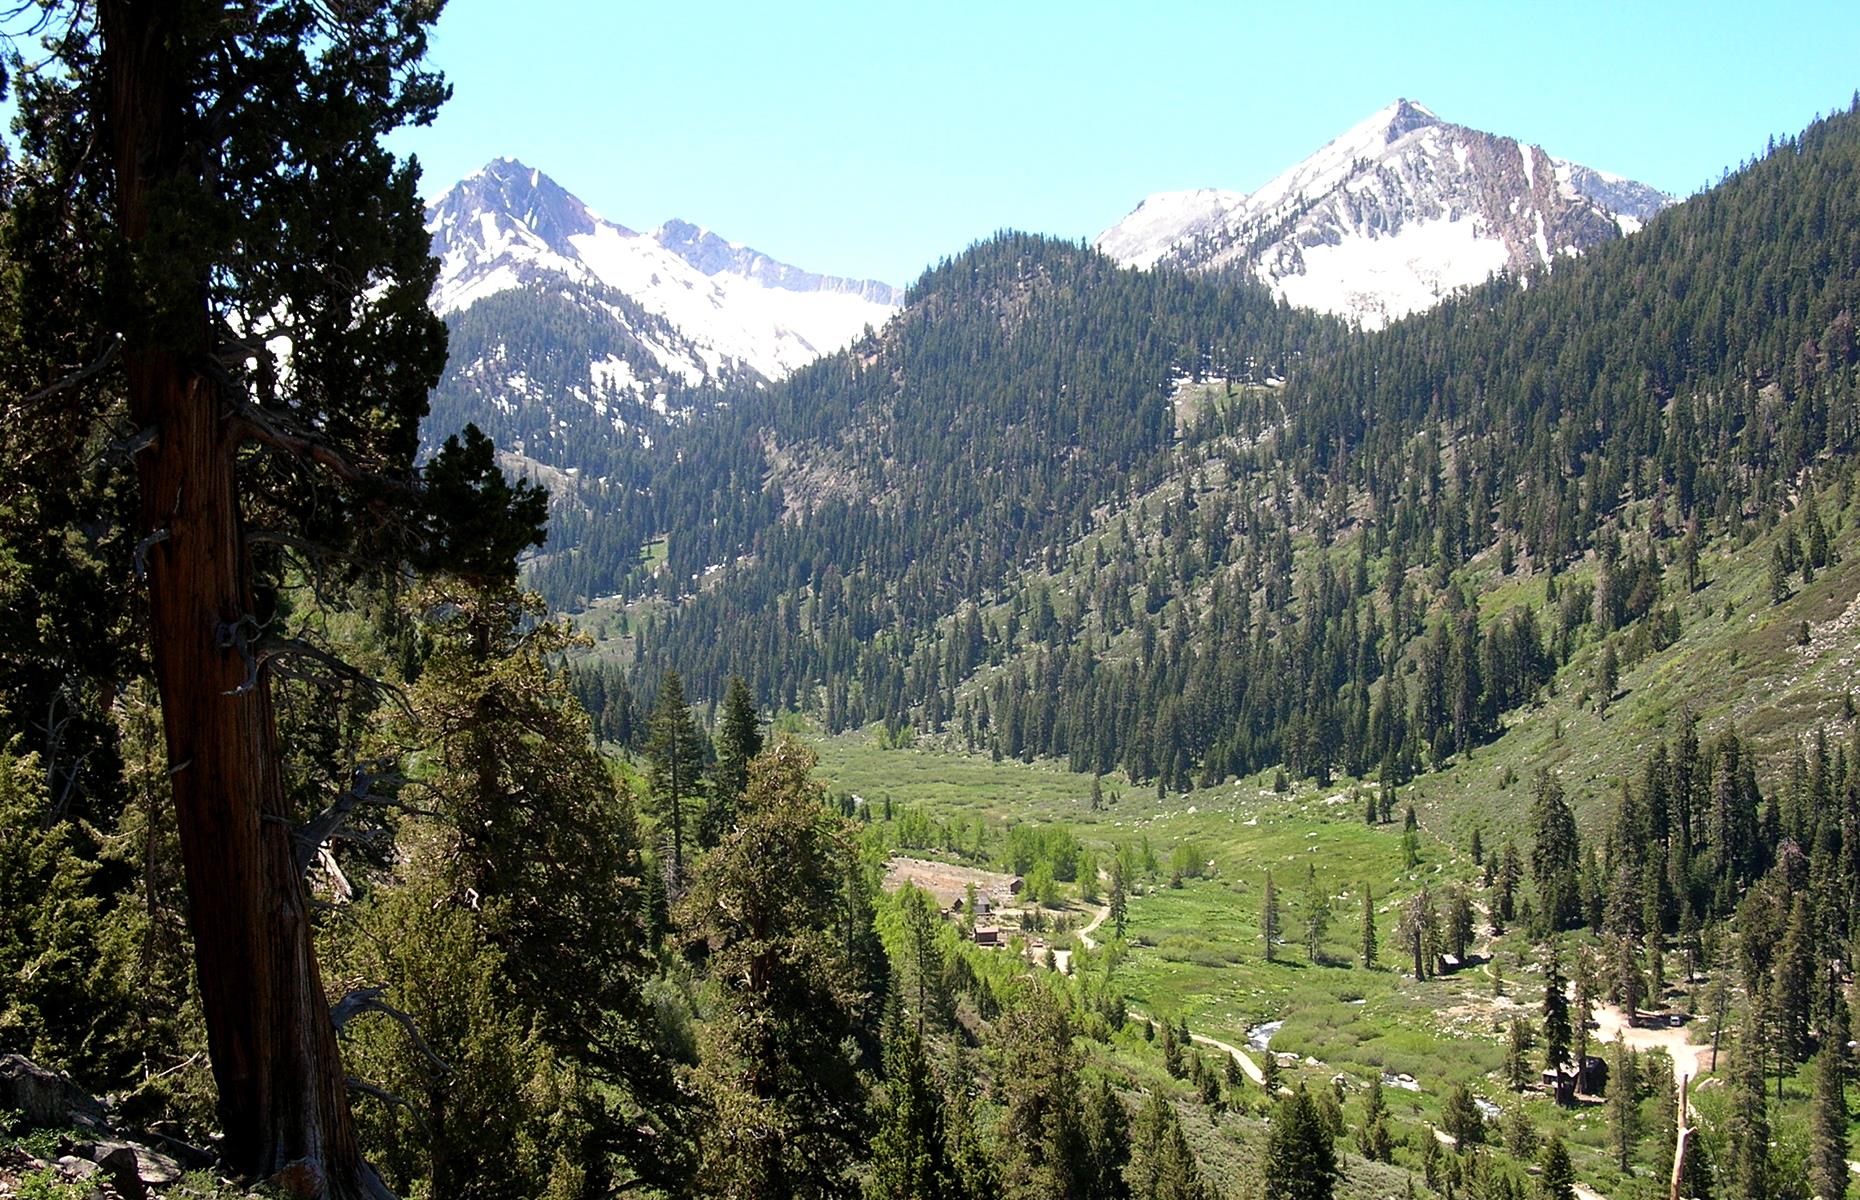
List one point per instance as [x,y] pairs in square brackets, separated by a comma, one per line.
[1196,952]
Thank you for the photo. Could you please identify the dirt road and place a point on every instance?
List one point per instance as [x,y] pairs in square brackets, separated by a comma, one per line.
[1240,1056]
[1688,1060]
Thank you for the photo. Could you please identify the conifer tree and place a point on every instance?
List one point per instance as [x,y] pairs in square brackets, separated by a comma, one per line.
[1367,941]
[1317,914]
[1461,1118]
[46,911]
[1269,917]
[1106,1131]
[1607,678]
[1300,1161]
[1828,1173]
[910,1153]
[544,851]
[1556,1014]
[1624,1105]
[1459,921]
[1372,1136]
[1162,1166]
[1557,1180]
[675,755]
[1039,1131]
[199,184]
[921,959]
[1746,1121]
[1510,876]
[1556,856]
[1517,1055]
[1117,901]
[766,906]
[739,740]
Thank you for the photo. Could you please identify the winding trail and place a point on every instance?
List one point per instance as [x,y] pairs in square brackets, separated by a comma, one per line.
[1240,1056]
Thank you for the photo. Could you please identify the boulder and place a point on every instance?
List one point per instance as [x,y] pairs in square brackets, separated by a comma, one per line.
[45,1098]
[148,1166]
[118,1161]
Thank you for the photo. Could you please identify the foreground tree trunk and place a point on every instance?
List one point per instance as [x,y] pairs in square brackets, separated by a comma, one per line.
[282,1097]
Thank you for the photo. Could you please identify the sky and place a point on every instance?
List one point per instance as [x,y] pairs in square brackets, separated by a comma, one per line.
[871,139]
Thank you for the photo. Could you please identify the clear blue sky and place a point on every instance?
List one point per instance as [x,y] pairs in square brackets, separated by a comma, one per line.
[872,138]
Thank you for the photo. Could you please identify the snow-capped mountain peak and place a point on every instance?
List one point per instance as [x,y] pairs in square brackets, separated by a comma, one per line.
[509,226]
[1387,218]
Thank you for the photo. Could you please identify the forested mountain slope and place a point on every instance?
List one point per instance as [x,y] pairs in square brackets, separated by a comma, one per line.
[1000,483]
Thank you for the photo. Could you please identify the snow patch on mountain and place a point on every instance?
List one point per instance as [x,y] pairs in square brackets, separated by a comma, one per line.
[509,226]
[1390,217]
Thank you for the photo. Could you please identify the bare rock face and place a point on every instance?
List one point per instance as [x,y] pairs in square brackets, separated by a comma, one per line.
[1391,217]
[46,1098]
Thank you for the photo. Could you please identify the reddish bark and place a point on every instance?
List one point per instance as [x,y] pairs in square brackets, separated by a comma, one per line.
[282,1097]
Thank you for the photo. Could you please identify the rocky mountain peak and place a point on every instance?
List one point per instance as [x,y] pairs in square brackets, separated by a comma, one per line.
[1399,211]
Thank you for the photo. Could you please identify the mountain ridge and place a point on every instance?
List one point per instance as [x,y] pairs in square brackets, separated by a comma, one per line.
[510,226]
[1390,217]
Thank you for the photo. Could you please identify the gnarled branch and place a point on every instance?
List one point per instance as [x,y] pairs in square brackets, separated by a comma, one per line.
[367,1000]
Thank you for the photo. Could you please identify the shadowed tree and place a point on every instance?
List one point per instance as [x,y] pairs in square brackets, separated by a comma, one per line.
[739,740]
[675,758]
[765,907]
[1300,1162]
[245,268]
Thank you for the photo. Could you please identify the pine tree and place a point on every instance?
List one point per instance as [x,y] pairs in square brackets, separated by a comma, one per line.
[1317,914]
[492,1113]
[1827,1172]
[547,849]
[1039,1130]
[739,740]
[910,1153]
[767,905]
[1367,942]
[1557,1180]
[1459,921]
[675,754]
[1746,1121]
[1300,1161]
[1269,917]
[1372,1136]
[1162,1166]
[46,914]
[1624,1105]
[1607,678]
[1556,856]
[1556,1015]
[1517,1055]
[1106,1131]
[156,193]
[1510,876]
[1417,930]
[1461,1118]
[921,959]
[1117,901]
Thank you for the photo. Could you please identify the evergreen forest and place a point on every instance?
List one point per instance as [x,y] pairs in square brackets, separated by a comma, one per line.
[1106,735]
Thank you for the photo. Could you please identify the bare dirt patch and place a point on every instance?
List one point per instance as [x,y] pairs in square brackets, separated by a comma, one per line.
[948,882]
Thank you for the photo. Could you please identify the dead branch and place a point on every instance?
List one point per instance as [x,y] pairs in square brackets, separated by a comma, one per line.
[279,648]
[143,547]
[95,367]
[390,1099]
[367,1000]
[239,636]
[316,833]
[344,890]
[256,423]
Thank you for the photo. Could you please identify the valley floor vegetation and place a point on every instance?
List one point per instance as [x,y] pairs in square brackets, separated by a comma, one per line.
[1413,764]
